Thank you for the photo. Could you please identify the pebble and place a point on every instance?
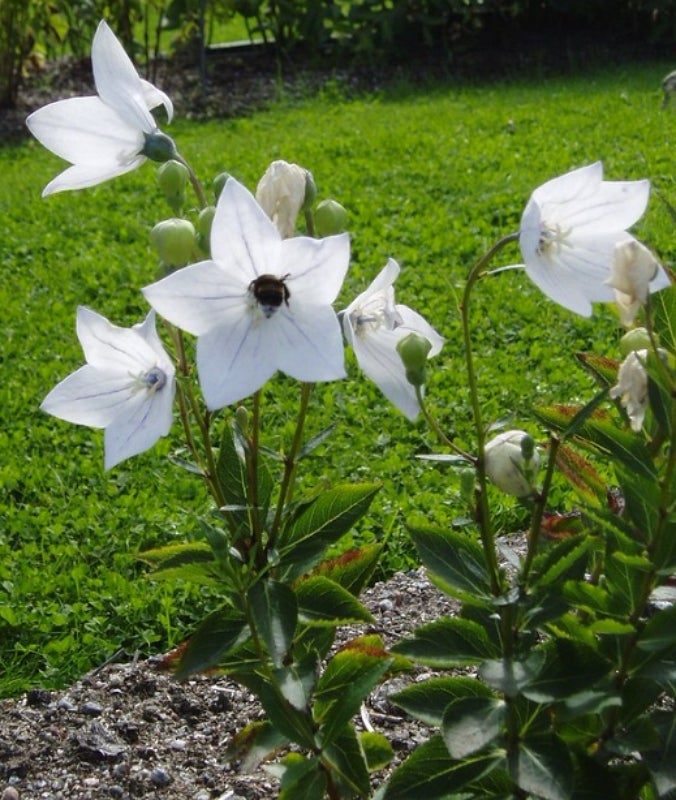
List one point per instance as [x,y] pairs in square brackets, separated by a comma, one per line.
[66,704]
[91,709]
[160,777]
[10,793]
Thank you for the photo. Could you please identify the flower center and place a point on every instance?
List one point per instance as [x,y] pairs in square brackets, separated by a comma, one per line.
[270,292]
[377,313]
[153,380]
[553,238]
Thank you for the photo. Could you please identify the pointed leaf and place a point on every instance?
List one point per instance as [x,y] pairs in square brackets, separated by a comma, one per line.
[219,633]
[427,700]
[544,768]
[323,602]
[581,475]
[448,642]
[377,750]
[470,724]
[316,440]
[253,744]
[455,562]
[569,667]
[352,569]
[663,306]
[566,560]
[275,611]
[303,778]
[347,761]
[662,763]
[602,368]
[659,634]
[509,676]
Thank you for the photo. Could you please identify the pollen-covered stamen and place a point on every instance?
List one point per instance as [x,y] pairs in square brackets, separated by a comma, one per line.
[552,240]
[154,379]
[270,292]
[377,313]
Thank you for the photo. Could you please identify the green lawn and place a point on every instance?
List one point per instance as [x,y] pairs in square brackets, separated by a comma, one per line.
[430,177]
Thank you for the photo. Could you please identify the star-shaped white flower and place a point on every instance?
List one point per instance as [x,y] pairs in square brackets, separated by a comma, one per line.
[569,229]
[102,135]
[374,325]
[127,386]
[262,304]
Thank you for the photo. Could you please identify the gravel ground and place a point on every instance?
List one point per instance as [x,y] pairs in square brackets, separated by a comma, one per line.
[131,730]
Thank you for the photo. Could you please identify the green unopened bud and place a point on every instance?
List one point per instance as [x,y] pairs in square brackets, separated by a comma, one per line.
[242,419]
[467,484]
[174,240]
[636,339]
[172,177]
[310,191]
[218,184]
[204,223]
[330,218]
[159,147]
[413,351]
[527,447]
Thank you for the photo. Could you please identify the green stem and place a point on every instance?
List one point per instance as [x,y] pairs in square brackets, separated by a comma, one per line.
[252,474]
[436,428]
[310,223]
[482,511]
[194,182]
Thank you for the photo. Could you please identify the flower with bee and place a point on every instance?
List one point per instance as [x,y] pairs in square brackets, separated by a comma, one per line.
[262,304]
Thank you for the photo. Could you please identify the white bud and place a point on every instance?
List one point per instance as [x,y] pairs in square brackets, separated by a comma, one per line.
[632,269]
[281,194]
[632,387]
[506,465]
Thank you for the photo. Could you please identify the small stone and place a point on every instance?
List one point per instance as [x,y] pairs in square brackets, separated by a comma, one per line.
[91,709]
[10,793]
[66,704]
[177,744]
[160,777]
[116,791]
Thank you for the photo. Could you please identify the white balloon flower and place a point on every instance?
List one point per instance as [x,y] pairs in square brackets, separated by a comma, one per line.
[107,134]
[374,325]
[127,386]
[634,273]
[262,304]
[569,229]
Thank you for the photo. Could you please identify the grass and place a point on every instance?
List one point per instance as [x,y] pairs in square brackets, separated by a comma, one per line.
[431,177]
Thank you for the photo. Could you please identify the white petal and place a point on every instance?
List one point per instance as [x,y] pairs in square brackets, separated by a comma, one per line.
[148,331]
[414,322]
[379,360]
[660,281]
[146,418]
[243,238]
[199,297]
[576,184]
[316,267]
[89,396]
[82,176]
[308,343]
[84,130]
[111,348]
[154,97]
[117,81]
[234,361]
[614,206]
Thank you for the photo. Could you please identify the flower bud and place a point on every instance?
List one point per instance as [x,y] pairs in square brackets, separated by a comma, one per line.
[242,419]
[413,351]
[632,269]
[172,177]
[467,484]
[174,240]
[204,223]
[511,462]
[159,147]
[635,339]
[282,193]
[330,218]
[310,191]
[218,184]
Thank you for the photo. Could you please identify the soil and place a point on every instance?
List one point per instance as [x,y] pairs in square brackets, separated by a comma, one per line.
[132,730]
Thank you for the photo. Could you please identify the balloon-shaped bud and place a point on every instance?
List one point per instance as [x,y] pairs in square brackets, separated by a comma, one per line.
[511,462]
[218,184]
[159,147]
[635,339]
[413,351]
[242,420]
[204,223]
[172,177]
[330,218]
[174,240]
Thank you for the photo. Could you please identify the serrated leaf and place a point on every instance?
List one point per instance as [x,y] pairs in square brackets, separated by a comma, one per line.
[470,724]
[347,761]
[222,631]
[346,681]
[319,524]
[543,768]
[377,750]
[302,778]
[602,368]
[509,676]
[427,700]
[581,475]
[455,563]
[323,602]
[275,612]
[430,773]
[569,667]
[352,569]
[177,555]
[253,744]
[566,560]
[642,502]
[448,642]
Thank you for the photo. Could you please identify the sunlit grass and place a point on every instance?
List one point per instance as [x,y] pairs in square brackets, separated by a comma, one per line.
[429,177]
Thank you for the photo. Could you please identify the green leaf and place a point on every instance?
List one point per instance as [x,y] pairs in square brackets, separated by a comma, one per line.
[353,569]
[602,368]
[323,602]
[253,744]
[508,676]
[582,476]
[429,773]
[664,555]
[427,700]
[663,307]
[178,555]
[659,633]
[377,750]
[662,762]
[292,722]
[348,678]
[642,502]
[625,574]
[347,761]
[314,442]
[455,563]
[567,559]
[448,642]
[222,631]
[301,777]
[470,724]
[543,768]
[319,524]
[275,612]
[569,667]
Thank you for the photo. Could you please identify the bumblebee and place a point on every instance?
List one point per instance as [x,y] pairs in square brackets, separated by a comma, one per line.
[270,292]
